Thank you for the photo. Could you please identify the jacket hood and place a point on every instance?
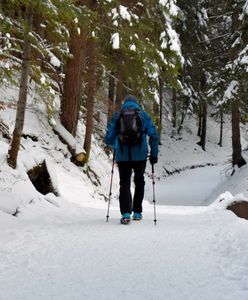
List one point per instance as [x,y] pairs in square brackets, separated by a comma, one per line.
[131,101]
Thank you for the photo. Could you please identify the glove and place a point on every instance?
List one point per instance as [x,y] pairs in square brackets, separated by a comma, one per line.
[153,160]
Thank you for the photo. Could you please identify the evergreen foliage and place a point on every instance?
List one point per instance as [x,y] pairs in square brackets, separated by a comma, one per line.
[191,47]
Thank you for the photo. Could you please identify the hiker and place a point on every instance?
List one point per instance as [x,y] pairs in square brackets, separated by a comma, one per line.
[127,133]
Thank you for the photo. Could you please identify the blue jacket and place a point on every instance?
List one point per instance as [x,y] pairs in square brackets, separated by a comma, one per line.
[138,152]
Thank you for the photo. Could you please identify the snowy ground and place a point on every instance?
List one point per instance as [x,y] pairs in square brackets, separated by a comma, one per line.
[62,248]
[190,254]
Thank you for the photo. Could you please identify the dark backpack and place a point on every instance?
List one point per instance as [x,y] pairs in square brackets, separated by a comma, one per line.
[129,126]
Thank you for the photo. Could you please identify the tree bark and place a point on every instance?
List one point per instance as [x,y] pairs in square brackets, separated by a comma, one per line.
[160,126]
[90,97]
[203,126]
[237,158]
[221,128]
[156,113]
[203,119]
[182,117]
[199,121]
[111,97]
[22,98]
[120,91]
[73,82]
[174,108]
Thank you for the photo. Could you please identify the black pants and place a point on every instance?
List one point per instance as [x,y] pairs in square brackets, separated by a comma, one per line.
[125,197]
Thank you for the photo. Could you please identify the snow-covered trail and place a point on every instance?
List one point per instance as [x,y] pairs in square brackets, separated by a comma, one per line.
[191,254]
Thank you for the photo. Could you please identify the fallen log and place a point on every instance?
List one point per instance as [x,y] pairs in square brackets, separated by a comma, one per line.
[76,150]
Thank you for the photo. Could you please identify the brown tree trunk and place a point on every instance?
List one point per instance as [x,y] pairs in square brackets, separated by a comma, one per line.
[237,158]
[174,108]
[202,130]
[120,91]
[221,128]
[182,117]
[199,121]
[111,95]
[203,118]
[204,126]
[90,97]
[22,98]
[156,113]
[72,88]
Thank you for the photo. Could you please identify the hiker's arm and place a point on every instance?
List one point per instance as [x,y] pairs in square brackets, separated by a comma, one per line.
[153,136]
[111,132]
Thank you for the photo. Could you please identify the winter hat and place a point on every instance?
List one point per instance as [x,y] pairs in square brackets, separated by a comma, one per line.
[130,98]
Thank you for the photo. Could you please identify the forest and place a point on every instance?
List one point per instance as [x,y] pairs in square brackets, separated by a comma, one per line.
[86,52]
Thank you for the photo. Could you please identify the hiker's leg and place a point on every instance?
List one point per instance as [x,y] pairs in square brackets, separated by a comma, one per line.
[125,197]
[139,170]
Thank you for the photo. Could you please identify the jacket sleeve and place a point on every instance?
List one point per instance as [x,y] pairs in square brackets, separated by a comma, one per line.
[151,131]
[111,131]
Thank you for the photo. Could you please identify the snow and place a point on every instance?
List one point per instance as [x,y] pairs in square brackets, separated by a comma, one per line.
[170,5]
[244,60]
[54,60]
[132,47]
[230,92]
[245,11]
[174,42]
[77,255]
[115,39]
[42,79]
[68,137]
[61,247]
[192,194]
[125,15]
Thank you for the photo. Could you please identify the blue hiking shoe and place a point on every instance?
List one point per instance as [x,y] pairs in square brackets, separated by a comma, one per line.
[125,219]
[137,216]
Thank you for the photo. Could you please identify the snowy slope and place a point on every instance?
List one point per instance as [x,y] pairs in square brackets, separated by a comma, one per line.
[62,248]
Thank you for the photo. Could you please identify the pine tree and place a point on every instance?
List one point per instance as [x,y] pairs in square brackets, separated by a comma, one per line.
[192,27]
[237,159]
[73,81]
[21,105]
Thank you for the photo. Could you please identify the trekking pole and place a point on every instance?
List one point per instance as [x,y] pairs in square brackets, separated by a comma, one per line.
[110,189]
[154,201]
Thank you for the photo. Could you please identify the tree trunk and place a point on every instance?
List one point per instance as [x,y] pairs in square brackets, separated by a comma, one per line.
[204,126]
[202,130]
[199,121]
[72,88]
[221,128]
[237,158]
[90,97]
[111,96]
[203,133]
[22,98]
[156,113]
[182,117]
[120,92]
[160,108]
[174,109]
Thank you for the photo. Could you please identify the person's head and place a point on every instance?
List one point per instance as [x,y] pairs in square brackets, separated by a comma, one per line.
[130,98]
